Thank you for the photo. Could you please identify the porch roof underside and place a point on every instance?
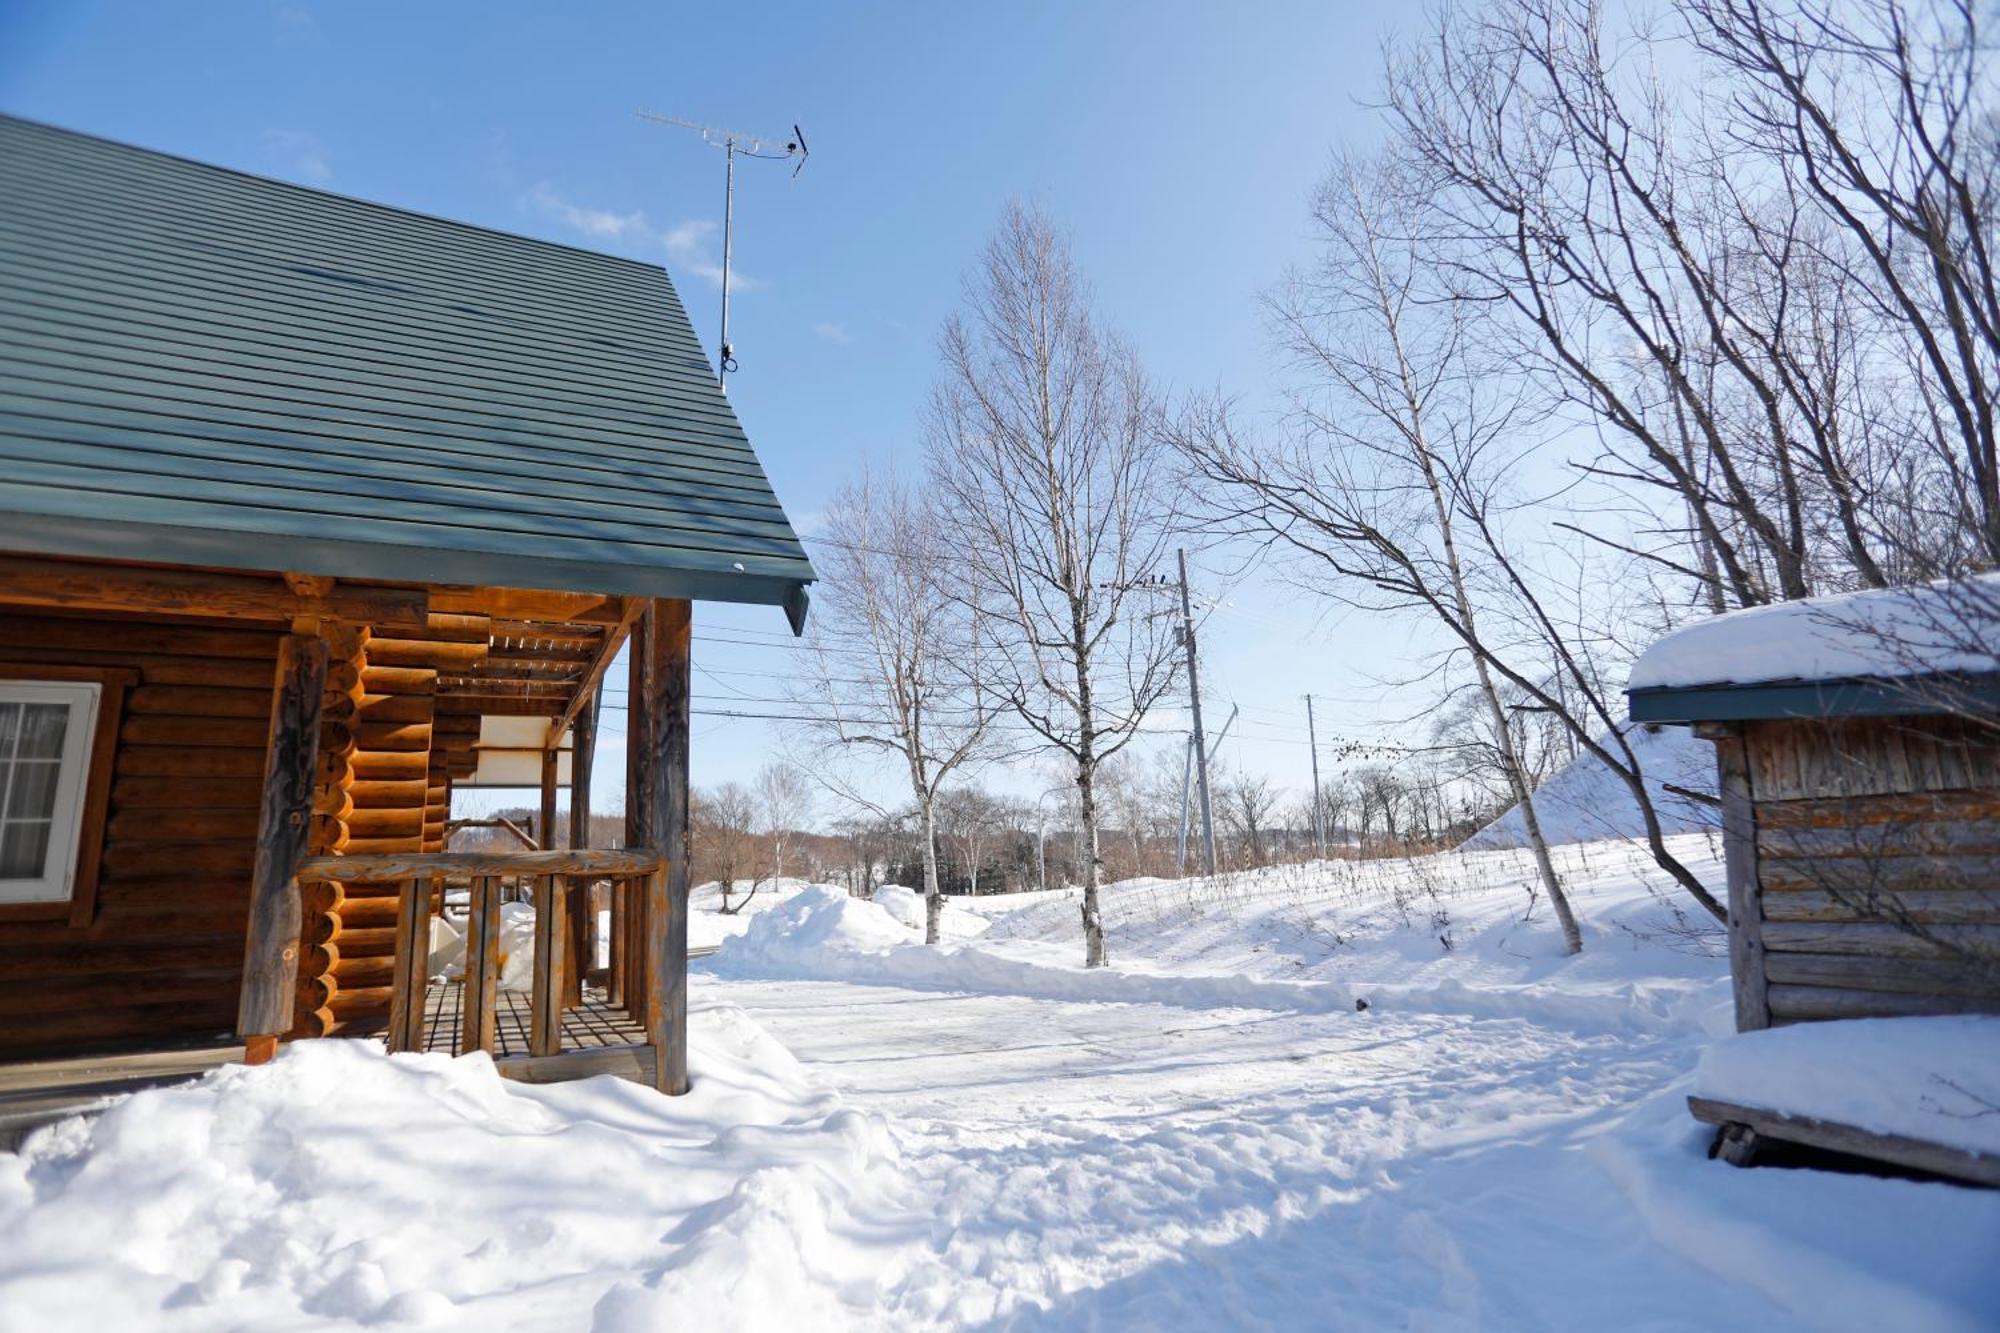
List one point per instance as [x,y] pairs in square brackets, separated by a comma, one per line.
[207,368]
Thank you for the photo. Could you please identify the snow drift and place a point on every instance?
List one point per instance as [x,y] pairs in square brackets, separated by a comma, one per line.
[342,1186]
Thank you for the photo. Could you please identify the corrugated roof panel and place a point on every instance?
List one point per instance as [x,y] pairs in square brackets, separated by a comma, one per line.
[199,366]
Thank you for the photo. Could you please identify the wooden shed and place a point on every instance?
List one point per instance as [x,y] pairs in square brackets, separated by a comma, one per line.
[300,495]
[1858,753]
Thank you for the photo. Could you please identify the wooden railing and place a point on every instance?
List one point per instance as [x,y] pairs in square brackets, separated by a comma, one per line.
[636,874]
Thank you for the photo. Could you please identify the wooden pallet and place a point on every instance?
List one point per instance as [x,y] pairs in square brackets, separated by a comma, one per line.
[1741,1128]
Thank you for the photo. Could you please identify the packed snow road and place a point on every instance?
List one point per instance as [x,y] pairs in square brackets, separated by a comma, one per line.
[1154,1166]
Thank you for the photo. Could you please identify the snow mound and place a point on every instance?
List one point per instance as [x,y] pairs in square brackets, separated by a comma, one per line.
[709,925]
[1587,802]
[339,1186]
[1935,1079]
[814,921]
[906,905]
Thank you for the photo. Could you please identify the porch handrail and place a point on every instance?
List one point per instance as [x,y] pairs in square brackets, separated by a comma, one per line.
[387,866]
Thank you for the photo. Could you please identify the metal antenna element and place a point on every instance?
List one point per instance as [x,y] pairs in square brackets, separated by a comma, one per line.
[735,144]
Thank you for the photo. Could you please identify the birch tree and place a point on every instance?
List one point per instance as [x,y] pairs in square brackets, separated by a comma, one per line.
[895,674]
[785,798]
[1046,463]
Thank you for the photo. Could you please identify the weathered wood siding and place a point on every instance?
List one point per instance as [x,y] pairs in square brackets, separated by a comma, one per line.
[162,956]
[1877,854]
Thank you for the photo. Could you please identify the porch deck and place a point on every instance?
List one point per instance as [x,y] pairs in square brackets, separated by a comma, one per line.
[589,1026]
[34,1093]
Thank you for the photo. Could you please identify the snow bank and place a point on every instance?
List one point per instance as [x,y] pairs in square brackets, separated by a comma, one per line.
[825,934]
[1889,632]
[340,1186]
[1935,1079]
[1587,802]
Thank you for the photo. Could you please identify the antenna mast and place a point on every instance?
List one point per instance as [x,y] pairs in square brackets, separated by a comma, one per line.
[733,144]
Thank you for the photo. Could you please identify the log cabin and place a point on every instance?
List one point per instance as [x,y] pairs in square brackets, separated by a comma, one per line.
[1857,743]
[307,504]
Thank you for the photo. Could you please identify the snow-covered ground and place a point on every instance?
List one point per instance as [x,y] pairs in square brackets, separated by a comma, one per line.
[1212,1133]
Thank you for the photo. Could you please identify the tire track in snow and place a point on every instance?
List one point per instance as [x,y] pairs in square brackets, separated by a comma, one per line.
[1120,1164]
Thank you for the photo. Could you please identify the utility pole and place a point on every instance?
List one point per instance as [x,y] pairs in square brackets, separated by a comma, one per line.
[732,144]
[1180,864]
[1319,818]
[1187,780]
[1194,709]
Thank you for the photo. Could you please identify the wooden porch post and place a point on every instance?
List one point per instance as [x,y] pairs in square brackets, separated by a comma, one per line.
[668,635]
[291,756]
[582,913]
[545,821]
[639,811]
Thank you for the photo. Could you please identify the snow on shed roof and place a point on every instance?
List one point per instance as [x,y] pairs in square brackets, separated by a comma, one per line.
[203,367]
[1886,632]
[1940,629]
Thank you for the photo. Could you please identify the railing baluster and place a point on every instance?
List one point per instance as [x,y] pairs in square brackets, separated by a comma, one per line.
[482,965]
[551,947]
[412,966]
[614,980]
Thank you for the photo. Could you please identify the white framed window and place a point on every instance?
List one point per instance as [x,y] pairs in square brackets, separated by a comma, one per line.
[45,742]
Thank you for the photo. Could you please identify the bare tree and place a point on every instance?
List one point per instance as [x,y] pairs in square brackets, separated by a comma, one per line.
[974,819]
[1882,114]
[786,805]
[1045,459]
[1398,422]
[724,820]
[1767,282]
[896,659]
[1249,802]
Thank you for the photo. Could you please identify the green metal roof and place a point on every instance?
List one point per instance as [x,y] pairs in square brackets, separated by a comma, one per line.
[203,367]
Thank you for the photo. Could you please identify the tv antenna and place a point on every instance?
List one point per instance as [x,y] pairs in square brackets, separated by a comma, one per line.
[734,145]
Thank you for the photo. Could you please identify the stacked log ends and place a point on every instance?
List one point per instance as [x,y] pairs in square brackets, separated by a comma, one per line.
[390,795]
[333,804]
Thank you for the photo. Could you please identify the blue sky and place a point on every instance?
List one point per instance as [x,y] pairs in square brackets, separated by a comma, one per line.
[1178,142]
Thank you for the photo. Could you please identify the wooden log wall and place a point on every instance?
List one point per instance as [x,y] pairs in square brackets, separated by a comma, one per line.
[162,956]
[1877,856]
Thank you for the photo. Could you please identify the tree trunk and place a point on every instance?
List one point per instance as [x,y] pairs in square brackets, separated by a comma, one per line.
[1517,782]
[933,899]
[1093,866]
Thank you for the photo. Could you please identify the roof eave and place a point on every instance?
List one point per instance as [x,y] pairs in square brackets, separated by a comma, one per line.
[371,562]
[1901,696]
